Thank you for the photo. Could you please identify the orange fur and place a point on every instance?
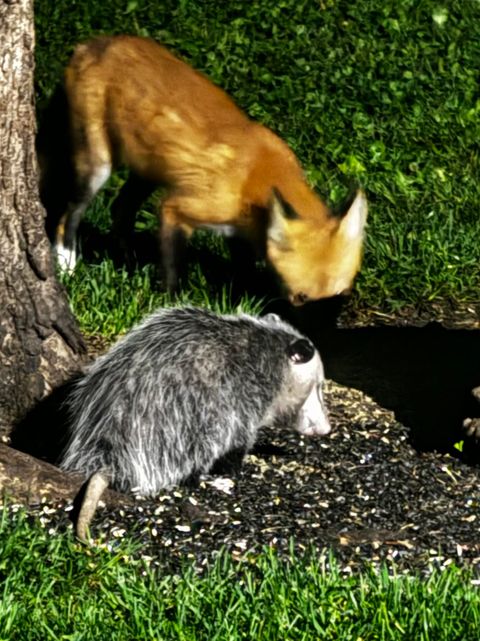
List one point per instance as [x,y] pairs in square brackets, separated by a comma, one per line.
[132,102]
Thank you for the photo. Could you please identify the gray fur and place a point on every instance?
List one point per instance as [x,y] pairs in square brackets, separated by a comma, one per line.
[185,388]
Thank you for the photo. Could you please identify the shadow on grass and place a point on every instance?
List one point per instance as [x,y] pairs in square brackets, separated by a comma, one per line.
[42,433]
[423,374]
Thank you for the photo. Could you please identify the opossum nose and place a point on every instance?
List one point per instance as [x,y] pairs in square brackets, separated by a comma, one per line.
[301,351]
[321,429]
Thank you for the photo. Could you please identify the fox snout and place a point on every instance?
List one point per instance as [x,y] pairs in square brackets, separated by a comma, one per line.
[316,257]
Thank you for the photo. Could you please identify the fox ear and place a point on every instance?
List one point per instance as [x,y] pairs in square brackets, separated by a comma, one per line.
[280,213]
[353,220]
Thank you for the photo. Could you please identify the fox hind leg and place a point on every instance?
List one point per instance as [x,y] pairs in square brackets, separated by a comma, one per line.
[173,245]
[87,185]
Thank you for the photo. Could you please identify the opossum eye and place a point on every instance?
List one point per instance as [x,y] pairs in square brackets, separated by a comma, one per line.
[301,351]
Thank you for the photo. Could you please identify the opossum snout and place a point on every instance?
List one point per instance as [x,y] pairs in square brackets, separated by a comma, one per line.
[301,351]
[319,428]
[313,418]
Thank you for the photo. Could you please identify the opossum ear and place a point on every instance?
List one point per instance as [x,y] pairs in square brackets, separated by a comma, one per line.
[301,351]
[272,318]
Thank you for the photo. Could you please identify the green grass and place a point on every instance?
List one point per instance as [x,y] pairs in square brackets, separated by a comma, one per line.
[381,93]
[107,301]
[53,588]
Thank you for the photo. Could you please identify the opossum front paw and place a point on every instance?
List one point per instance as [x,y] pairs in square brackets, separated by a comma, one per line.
[229,463]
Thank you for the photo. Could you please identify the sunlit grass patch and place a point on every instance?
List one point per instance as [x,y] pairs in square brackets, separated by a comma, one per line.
[107,300]
[378,94]
[55,588]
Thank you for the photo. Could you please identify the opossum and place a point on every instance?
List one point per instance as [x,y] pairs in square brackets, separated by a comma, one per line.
[182,390]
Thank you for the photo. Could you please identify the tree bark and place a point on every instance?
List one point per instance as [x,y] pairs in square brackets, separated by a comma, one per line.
[29,481]
[40,344]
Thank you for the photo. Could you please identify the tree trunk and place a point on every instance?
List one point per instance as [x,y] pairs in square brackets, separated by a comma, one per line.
[40,344]
[27,480]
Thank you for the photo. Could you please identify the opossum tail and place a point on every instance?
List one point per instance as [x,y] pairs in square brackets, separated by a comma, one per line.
[96,486]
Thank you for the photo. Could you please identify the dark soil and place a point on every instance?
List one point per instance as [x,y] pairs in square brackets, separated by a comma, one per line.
[361,491]
[451,315]
[364,491]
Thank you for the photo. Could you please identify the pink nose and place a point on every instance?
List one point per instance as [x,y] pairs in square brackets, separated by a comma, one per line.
[321,428]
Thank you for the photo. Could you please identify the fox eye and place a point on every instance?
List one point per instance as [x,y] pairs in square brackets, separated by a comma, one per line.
[301,351]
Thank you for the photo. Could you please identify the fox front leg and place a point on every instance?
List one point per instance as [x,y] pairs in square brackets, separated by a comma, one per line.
[132,195]
[173,245]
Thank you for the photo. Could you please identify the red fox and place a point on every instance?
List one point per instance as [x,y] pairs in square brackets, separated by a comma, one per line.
[130,102]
